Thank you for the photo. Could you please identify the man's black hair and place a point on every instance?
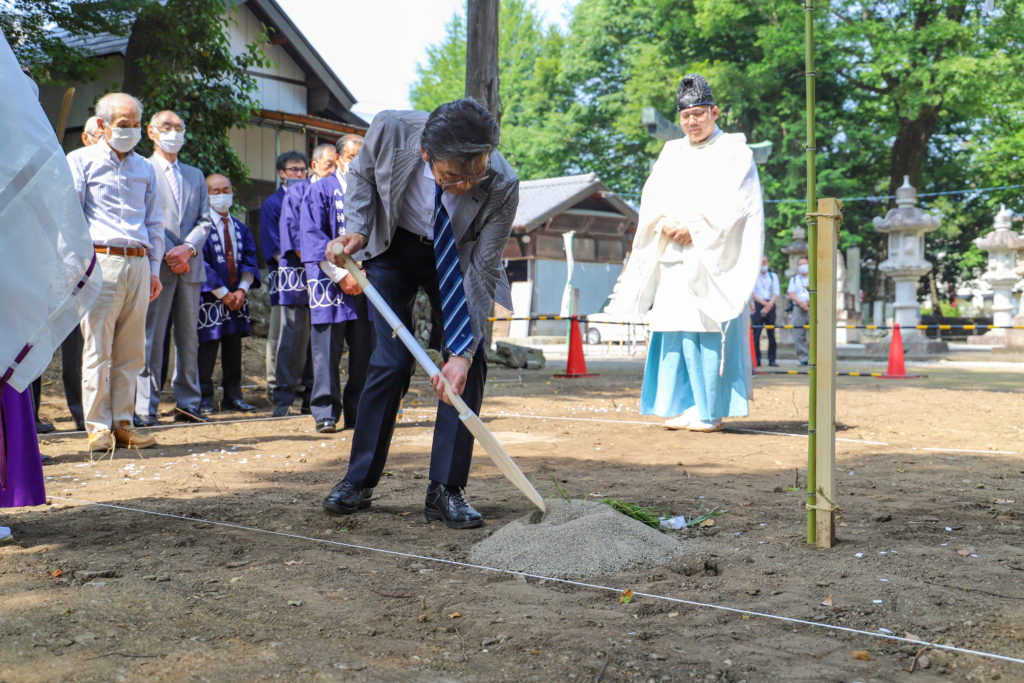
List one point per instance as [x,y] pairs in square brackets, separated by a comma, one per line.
[284,157]
[461,130]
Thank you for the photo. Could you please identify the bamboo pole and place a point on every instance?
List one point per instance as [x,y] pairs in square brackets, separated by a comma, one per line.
[829,216]
[812,245]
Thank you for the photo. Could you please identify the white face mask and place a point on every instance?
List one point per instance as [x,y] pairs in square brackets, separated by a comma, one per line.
[803,269]
[171,141]
[124,139]
[764,269]
[221,202]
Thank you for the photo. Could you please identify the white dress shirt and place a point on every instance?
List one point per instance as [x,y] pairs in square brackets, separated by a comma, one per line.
[245,279]
[119,199]
[767,285]
[799,284]
[417,214]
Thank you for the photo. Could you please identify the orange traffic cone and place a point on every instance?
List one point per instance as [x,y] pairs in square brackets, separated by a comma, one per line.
[576,366]
[753,351]
[896,369]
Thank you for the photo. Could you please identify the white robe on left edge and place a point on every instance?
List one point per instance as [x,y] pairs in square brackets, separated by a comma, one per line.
[50,276]
[713,188]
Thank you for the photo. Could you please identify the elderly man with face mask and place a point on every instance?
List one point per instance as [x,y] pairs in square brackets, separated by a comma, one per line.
[694,262]
[118,192]
[229,256]
[185,204]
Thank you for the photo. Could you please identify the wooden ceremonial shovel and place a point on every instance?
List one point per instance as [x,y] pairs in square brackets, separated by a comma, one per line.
[470,419]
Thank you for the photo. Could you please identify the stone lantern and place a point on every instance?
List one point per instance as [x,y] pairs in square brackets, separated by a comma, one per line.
[1002,245]
[906,226]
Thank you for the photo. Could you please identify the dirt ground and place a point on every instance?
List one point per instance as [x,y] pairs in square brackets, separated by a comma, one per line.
[211,559]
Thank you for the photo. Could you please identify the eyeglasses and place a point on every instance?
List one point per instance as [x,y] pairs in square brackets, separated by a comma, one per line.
[446,183]
[295,170]
[697,115]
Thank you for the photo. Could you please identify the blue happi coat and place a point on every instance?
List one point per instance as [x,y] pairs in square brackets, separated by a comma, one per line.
[291,274]
[322,218]
[270,238]
[215,320]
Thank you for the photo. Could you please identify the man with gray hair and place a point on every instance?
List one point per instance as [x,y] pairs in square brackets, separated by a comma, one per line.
[185,204]
[429,203]
[91,133]
[117,189]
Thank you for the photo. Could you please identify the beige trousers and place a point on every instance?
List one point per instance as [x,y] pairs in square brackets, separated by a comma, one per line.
[114,334]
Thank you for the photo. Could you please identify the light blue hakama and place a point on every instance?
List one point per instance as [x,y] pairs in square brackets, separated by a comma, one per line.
[682,371]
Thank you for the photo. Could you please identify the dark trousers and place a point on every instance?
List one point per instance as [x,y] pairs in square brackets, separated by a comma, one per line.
[294,372]
[328,341]
[759,318]
[230,346]
[71,373]
[396,274]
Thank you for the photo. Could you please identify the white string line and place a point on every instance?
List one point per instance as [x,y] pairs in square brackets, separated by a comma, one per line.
[595,586]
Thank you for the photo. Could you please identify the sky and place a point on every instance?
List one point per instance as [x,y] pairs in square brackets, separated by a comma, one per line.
[374,45]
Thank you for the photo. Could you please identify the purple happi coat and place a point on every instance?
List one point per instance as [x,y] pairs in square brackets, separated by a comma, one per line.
[215,319]
[321,219]
[270,238]
[291,274]
[21,469]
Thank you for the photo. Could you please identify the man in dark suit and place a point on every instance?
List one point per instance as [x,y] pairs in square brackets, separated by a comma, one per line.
[430,203]
[185,201]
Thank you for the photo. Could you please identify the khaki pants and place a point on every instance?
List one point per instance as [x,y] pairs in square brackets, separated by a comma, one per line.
[273,335]
[114,334]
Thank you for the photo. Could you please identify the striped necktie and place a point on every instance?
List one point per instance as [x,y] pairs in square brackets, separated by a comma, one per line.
[458,333]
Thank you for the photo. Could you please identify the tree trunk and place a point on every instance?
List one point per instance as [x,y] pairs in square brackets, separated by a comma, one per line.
[482,54]
[911,148]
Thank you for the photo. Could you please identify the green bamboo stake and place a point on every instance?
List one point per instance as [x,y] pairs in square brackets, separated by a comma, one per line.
[812,248]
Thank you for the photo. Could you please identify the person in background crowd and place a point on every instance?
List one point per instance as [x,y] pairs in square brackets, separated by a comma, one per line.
[430,203]
[291,169]
[294,370]
[231,269]
[118,193]
[762,310]
[185,205]
[801,298]
[694,262]
[332,300]
[91,133]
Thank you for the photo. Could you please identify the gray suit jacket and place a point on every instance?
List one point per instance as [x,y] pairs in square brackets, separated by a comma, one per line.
[189,225]
[481,221]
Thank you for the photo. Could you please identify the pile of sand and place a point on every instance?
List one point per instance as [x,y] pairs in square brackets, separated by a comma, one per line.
[574,539]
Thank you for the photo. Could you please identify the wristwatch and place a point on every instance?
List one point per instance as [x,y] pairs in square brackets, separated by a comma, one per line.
[467,354]
[191,249]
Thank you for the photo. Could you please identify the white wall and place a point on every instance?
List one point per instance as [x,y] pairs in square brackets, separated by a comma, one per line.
[255,146]
[594,281]
[273,94]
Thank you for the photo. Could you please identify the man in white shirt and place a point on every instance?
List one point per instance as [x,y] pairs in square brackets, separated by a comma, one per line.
[762,310]
[117,189]
[798,294]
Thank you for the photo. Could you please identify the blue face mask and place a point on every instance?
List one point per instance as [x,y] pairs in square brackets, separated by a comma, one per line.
[288,182]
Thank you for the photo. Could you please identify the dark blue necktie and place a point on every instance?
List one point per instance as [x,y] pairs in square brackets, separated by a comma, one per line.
[458,333]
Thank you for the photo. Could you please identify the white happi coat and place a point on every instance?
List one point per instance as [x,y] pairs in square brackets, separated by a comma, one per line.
[713,188]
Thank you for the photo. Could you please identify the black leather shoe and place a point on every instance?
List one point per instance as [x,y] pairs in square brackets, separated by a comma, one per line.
[239,405]
[446,503]
[190,416]
[144,420]
[44,427]
[206,408]
[280,412]
[345,498]
[326,426]
[80,425]
[305,409]
[774,364]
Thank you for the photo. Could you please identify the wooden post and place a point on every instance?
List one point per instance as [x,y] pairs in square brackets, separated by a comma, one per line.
[829,217]
[482,54]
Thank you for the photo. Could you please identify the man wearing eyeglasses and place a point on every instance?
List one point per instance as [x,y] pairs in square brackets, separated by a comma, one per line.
[430,204]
